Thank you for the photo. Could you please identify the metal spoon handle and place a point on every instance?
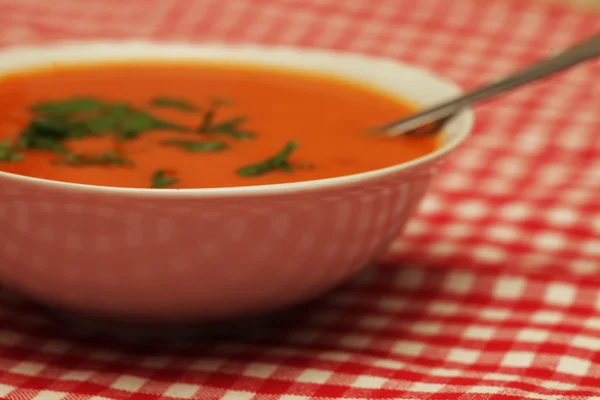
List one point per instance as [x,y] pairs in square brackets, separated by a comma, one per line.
[574,55]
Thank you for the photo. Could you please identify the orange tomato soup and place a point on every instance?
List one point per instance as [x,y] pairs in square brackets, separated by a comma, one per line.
[328,118]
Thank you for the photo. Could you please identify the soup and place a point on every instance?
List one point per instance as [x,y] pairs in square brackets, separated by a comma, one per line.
[163,125]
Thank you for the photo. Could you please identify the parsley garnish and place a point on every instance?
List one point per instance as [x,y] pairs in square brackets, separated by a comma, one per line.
[162,179]
[170,102]
[196,146]
[230,127]
[280,161]
[69,107]
[47,134]
[8,153]
[136,122]
[58,121]
[209,116]
[207,121]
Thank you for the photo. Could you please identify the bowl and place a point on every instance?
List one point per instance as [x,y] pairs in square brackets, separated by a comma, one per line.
[210,254]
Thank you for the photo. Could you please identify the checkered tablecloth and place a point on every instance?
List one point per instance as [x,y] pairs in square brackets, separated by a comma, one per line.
[493,293]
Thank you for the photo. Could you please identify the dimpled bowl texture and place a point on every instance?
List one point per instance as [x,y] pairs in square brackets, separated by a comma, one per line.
[209,254]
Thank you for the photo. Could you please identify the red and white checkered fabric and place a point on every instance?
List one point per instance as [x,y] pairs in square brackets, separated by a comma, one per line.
[493,293]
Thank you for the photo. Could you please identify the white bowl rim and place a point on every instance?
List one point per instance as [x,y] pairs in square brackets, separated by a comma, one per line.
[152,50]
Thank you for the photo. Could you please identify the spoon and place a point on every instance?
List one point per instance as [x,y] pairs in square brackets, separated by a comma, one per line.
[431,120]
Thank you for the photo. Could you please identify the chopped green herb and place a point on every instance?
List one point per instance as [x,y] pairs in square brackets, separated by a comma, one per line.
[174,103]
[231,128]
[196,146]
[8,153]
[280,161]
[54,128]
[99,125]
[34,143]
[207,121]
[46,134]
[228,127]
[68,107]
[82,117]
[108,158]
[231,123]
[137,122]
[161,179]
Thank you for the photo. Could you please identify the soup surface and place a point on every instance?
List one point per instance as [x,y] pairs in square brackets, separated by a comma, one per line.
[194,125]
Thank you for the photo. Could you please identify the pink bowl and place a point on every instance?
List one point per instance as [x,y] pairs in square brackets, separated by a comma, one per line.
[205,254]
